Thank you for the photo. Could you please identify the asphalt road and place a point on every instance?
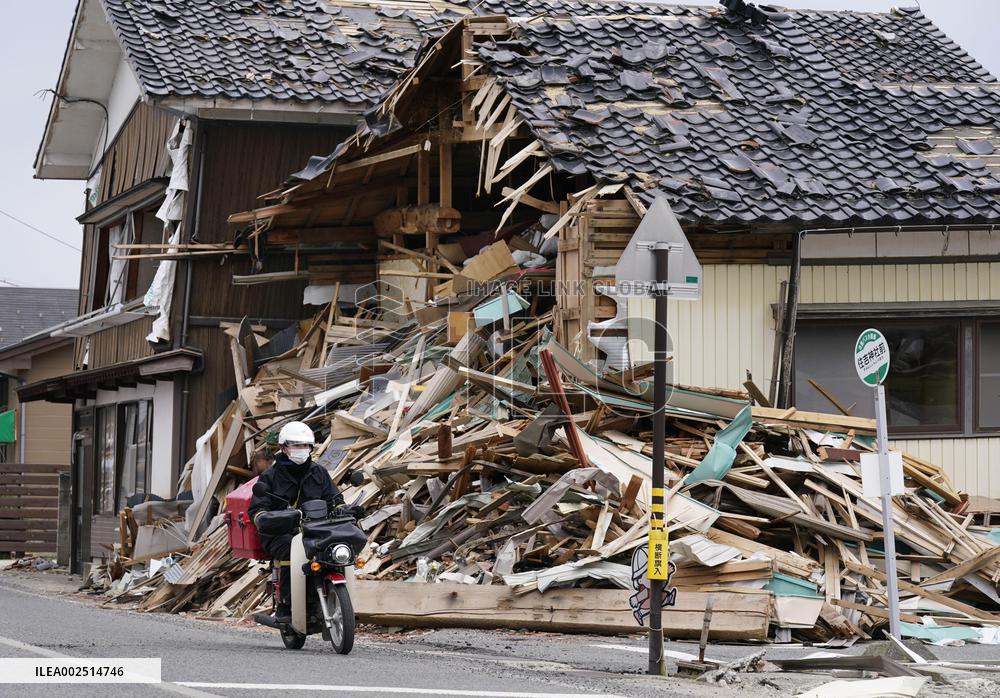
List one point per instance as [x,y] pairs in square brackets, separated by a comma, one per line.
[216,658]
[40,617]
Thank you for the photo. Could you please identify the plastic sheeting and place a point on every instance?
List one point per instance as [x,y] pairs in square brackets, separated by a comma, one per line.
[160,295]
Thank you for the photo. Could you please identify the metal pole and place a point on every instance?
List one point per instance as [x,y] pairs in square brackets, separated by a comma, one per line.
[656,665]
[888,535]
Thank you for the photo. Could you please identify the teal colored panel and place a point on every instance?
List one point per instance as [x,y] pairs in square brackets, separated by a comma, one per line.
[719,458]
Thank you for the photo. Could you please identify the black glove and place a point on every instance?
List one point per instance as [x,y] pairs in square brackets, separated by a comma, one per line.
[276,523]
[355,510]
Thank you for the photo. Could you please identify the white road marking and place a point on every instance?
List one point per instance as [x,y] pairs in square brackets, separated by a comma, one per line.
[52,654]
[386,690]
[666,653]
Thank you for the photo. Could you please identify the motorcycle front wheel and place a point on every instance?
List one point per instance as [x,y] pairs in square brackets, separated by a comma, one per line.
[292,639]
[338,602]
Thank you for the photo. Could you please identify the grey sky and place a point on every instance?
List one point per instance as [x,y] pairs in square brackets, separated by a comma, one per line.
[33,36]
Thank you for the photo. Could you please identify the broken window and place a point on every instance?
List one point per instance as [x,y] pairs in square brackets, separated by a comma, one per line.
[935,375]
[122,280]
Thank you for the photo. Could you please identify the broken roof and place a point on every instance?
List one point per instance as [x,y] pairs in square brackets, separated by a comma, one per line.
[837,117]
[331,51]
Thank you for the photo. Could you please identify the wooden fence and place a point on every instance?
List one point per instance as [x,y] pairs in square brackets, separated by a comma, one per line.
[29,507]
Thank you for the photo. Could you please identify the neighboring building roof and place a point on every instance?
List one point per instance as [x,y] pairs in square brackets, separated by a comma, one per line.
[812,117]
[28,311]
[327,51]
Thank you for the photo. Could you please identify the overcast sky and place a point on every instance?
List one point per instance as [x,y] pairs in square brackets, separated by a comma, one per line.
[33,37]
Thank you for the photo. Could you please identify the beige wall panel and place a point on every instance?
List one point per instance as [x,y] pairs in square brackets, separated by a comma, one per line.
[731,329]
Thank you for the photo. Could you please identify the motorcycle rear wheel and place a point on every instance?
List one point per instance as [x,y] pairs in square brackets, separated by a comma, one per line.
[338,601]
[292,639]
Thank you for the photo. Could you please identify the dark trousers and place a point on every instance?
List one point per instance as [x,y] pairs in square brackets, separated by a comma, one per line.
[280,550]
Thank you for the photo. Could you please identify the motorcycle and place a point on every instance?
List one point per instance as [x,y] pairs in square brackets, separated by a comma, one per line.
[321,573]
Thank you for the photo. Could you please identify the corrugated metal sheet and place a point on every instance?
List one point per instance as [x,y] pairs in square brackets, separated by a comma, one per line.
[732,329]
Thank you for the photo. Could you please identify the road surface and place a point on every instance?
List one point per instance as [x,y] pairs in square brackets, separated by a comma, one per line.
[40,617]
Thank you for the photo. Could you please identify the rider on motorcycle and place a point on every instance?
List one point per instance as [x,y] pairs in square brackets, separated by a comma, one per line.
[294,478]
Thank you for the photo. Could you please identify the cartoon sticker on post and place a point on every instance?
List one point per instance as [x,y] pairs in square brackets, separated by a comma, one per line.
[639,601]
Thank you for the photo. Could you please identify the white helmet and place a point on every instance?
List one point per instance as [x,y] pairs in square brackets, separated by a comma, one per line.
[296,432]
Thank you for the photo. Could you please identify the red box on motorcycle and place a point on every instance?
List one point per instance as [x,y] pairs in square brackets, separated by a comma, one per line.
[243,536]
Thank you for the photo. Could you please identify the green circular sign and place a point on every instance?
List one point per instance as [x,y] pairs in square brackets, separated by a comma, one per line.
[871,357]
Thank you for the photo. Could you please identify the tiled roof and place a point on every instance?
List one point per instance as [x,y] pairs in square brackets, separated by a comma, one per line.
[325,51]
[812,117]
[27,311]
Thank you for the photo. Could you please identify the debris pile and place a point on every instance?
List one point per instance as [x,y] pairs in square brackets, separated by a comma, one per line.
[493,456]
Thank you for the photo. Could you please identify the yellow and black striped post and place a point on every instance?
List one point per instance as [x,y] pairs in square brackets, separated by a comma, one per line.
[657,570]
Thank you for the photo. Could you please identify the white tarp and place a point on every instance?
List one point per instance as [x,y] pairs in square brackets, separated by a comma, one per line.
[161,291]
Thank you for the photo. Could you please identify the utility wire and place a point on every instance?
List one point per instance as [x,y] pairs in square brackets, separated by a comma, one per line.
[39,231]
[9,283]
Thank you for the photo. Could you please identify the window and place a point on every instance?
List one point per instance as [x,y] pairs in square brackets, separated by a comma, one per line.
[988,412]
[136,440]
[124,454]
[106,452]
[120,280]
[935,378]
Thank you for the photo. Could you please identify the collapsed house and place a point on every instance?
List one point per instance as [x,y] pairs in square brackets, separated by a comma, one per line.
[473,360]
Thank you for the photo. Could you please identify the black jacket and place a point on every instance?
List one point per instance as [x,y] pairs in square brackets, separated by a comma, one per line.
[286,484]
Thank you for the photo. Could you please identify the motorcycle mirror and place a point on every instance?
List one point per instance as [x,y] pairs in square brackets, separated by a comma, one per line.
[356,478]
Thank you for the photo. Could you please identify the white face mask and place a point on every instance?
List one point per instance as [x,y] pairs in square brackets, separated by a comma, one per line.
[298,455]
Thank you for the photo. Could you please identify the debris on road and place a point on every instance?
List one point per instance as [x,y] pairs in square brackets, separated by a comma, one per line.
[493,457]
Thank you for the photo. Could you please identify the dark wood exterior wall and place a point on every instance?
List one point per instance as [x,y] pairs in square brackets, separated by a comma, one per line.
[138,153]
[123,343]
[241,161]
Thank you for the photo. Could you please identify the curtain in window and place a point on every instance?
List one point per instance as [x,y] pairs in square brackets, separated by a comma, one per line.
[136,449]
[106,451]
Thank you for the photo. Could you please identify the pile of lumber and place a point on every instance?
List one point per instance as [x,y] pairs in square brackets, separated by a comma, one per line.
[503,473]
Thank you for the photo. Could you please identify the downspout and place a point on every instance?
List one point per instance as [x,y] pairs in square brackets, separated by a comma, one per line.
[24,423]
[194,218]
[788,326]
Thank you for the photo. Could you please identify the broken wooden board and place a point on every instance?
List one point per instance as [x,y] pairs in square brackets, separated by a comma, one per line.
[742,616]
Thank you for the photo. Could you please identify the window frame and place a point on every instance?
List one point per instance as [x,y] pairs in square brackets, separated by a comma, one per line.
[120,496]
[116,412]
[100,253]
[968,367]
[976,377]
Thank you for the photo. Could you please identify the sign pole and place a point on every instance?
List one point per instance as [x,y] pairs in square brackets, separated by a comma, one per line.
[871,361]
[888,534]
[657,533]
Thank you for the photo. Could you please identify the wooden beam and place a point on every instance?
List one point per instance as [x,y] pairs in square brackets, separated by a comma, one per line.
[445,173]
[873,573]
[736,615]
[528,200]
[383,157]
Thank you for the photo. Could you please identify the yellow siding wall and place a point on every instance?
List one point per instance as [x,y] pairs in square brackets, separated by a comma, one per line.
[731,329]
[49,425]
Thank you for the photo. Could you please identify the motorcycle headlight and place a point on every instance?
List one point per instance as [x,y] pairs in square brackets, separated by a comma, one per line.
[341,554]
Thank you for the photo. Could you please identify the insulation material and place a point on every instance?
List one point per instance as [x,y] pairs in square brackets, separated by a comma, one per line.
[160,295]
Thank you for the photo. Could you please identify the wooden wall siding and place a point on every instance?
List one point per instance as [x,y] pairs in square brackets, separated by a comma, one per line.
[732,329]
[103,535]
[972,464]
[123,343]
[241,162]
[901,282]
[138,153]
[206,388]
